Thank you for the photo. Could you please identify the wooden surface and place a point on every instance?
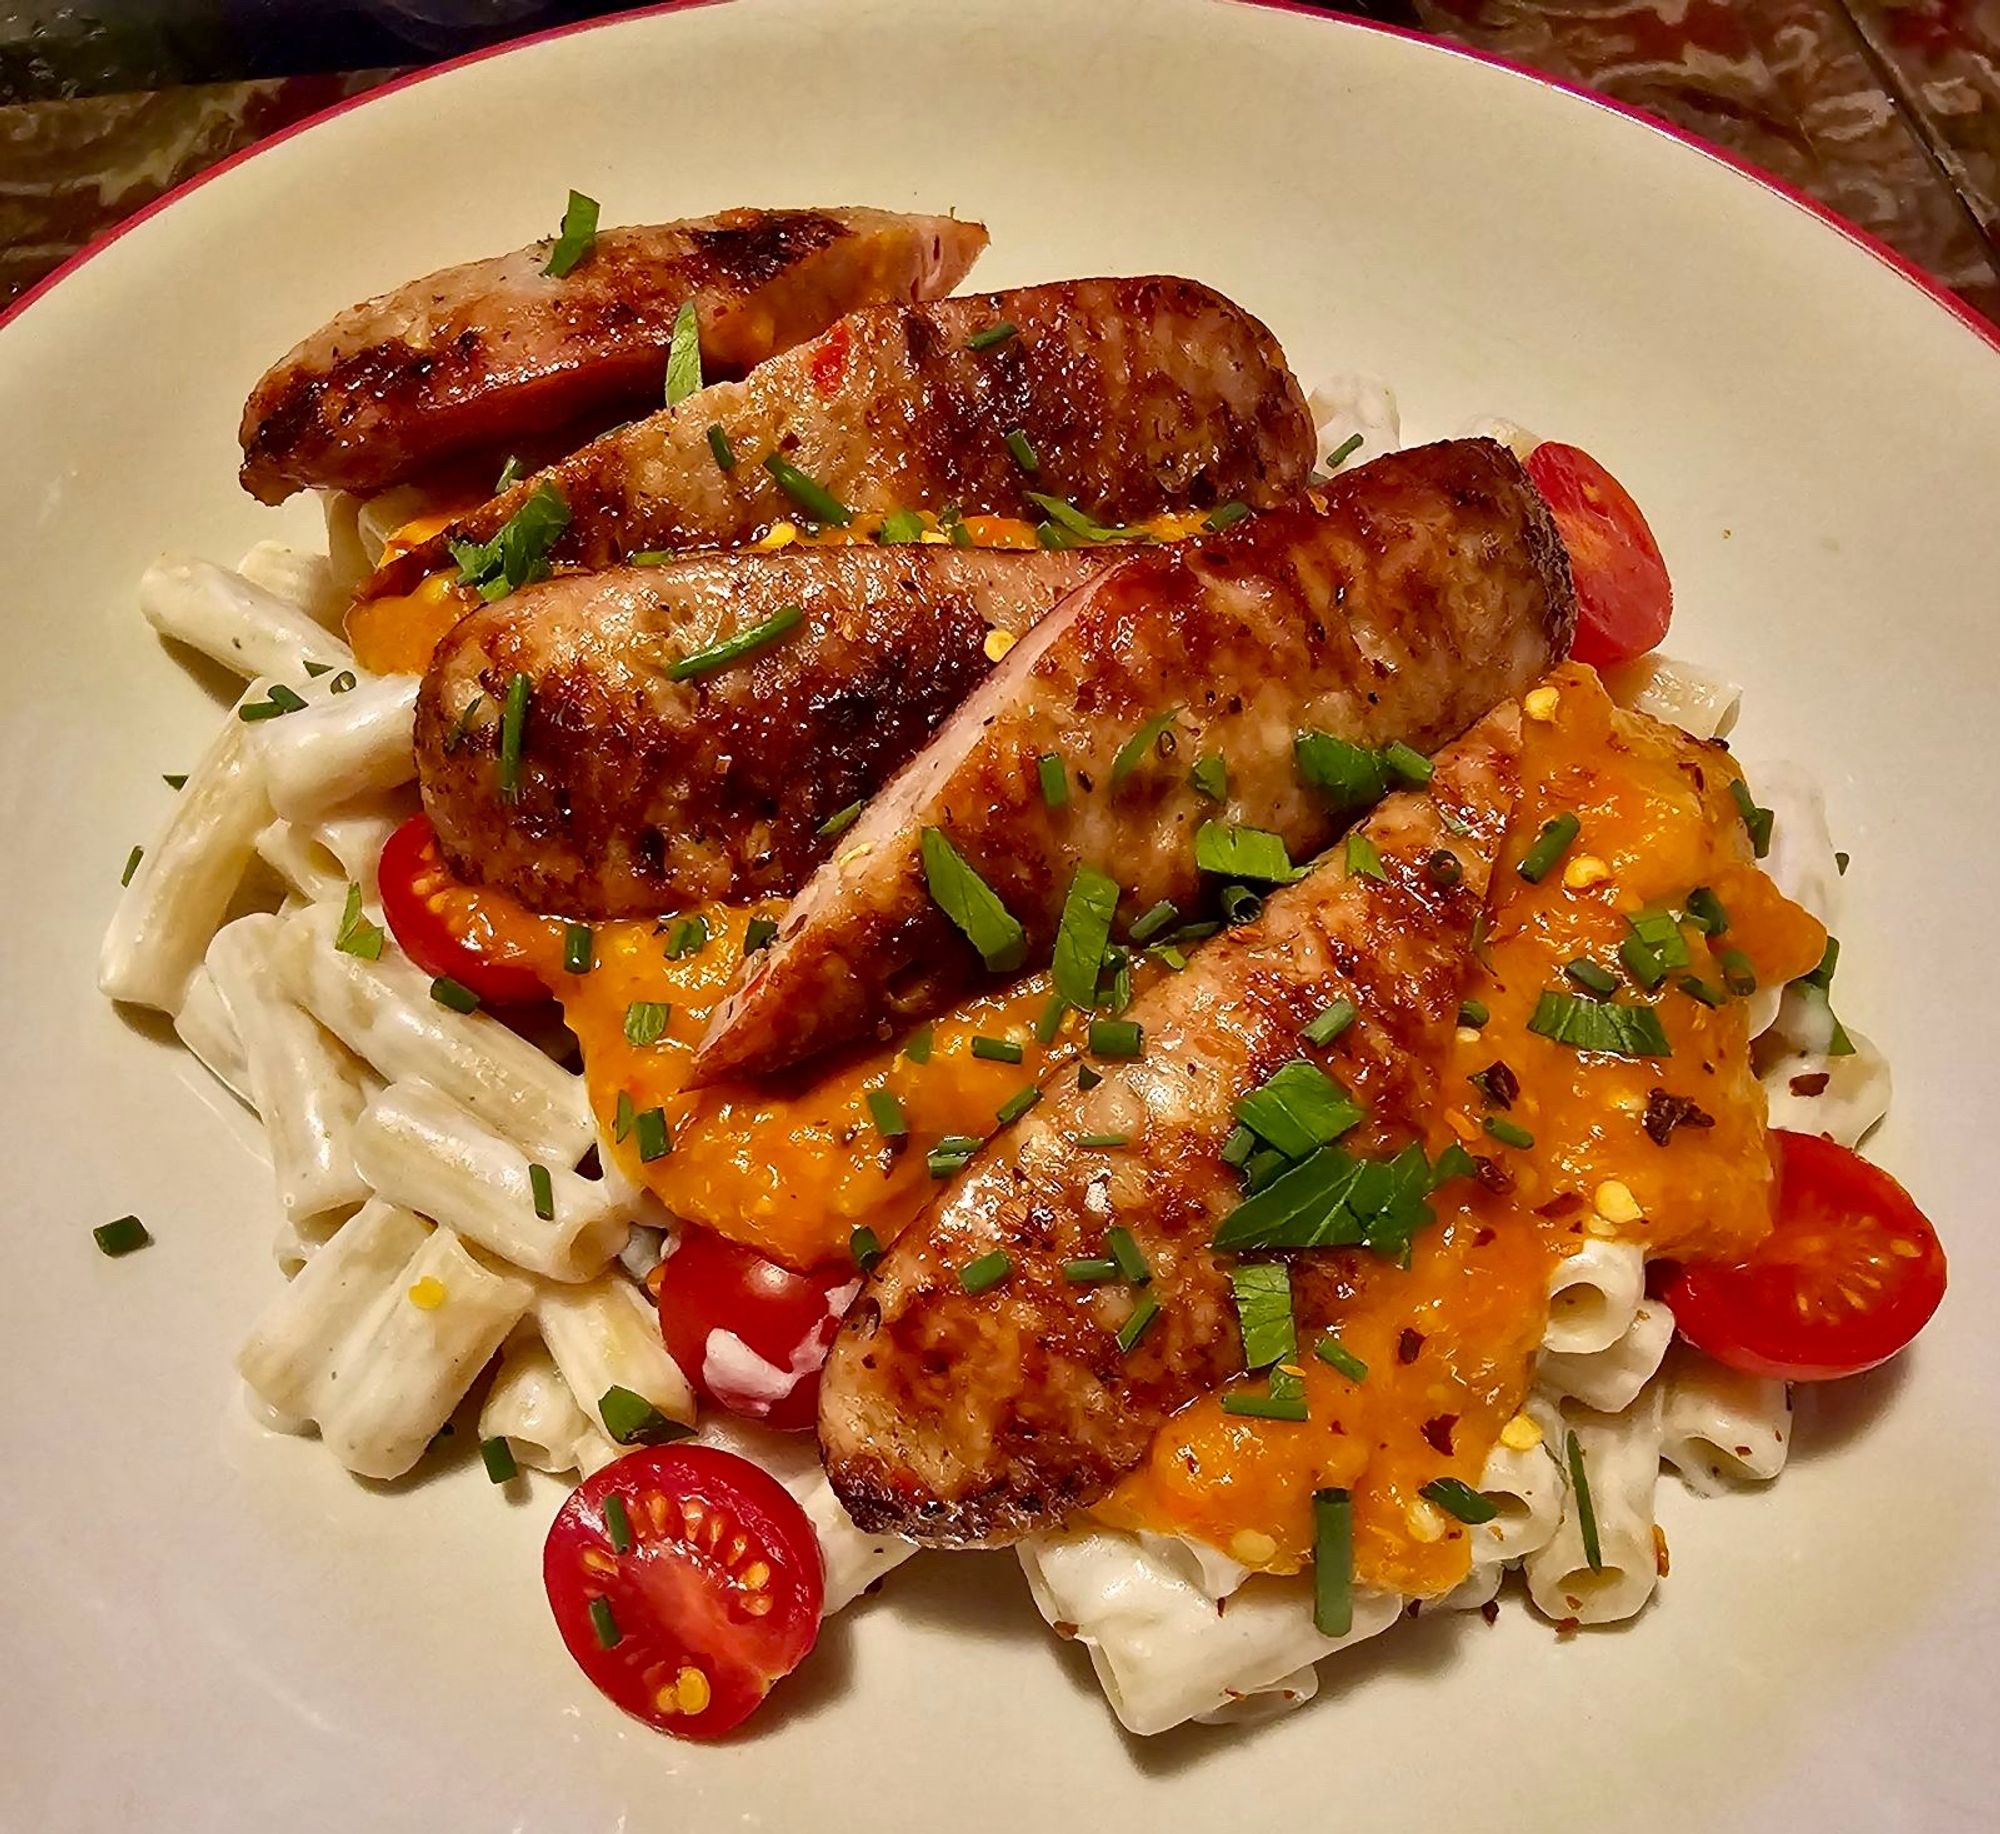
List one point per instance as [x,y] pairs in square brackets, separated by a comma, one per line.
[1890,113]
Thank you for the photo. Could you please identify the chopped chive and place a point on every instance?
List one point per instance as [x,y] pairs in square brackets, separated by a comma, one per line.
[1240,904]
[1138,1323]
[1049,1021]
[1757,820]
[866,1248]
[718,443]
[839,821]
[461,728]
[1236,1150]
[1098,1142]
[1171,957]
[175,780]
[498,1458]
[1073,521]
[454,994]
[1508,1133]
[1116,1037]
[689,936]
[1087,1079]
[1660,932]
[1332,1021]
[344,683]
[1739,974]
[646,1022]
[1331,1351]
[1090,1272]
[1641,962]
[814,498]
[886,1111]
[649,1131]
[1443,868]
[1592,978]
[1586,1509]
[901,527]
[1343,451]
[622,1116]
[132,860]
[617,1524]
[510,475]
[996,1050]
[1272,1403]
[579,948]
[1132,753]
[734,649]
[1459,1499]
[1131,1258]
[951,1155]
[1024,453]
[356,934]
[1407,764]
[281,700]
[1363,861]
[632,1420]
[1697,989]
[1016,1105]
[1554,840]
[918,1050]
[1333,1560]
[1706,912]
[757,934]
[542,1188]
[122,1237]
[988,1271]
[314,670]
[572,247]
[1054,779]
[1610,1026]
[989,335]
[684,356]
[1145,928]
[1225,516]
[609,1636]
[1840,860]
[1210,777]
[1473,1013]
[649,557]
[972,904]
[513,724]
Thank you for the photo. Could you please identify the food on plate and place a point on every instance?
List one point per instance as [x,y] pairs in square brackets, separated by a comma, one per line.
[1191,703]
[509,349]
[1117,399]
[694,730]
[1278,1092]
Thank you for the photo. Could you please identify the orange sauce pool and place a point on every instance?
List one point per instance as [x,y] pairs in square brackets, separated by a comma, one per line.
[398,633]
[1450,1343]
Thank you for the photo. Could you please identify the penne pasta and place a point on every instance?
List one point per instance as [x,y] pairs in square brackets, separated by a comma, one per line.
[347,560]
[305,1086]
[298,1238]
[204,1025]
[605,1335]
[1721,1428]
[1620,1455]
[420,1149]
[301,578]
[342,747]
[1697,700]
[1842,1097]
[236,623]
[383,1012]
[184,883]
[530,1406]
[1610,1379]
[378,517]
[399,1378]
[1594,1295]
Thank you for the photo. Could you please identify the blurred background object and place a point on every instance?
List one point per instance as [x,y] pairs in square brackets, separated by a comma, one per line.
[1887,110]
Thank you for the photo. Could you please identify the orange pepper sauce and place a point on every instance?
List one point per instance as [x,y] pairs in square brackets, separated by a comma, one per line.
[397,634]
[1450,1343]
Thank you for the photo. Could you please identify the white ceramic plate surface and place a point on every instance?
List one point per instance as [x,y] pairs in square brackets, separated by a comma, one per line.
[205,1627]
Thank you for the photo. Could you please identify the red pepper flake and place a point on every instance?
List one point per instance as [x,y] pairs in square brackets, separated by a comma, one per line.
[829,361]
[1565,1204]
[1813,1084]
[1490,1611]
[1437,1433]
[1665,1112]
[1497,1084]
[1409,1345]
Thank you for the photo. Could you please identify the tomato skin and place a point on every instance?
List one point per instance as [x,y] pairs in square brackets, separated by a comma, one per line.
[1624,600]
[719,1594]
[787,1319]
[413,875]
[1848,1241]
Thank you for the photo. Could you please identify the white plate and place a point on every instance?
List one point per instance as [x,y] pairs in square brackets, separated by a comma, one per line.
[202,1627]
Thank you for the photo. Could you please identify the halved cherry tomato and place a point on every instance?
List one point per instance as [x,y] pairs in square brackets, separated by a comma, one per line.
[1624,600]
[1849,1274]
[751,1335]
[417,888]
[708,1590]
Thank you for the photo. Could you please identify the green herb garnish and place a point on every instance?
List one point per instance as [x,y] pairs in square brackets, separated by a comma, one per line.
[972,905]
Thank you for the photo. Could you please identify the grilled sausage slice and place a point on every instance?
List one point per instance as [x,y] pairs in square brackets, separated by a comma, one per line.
[637,793]
[1123,397]
[964,1419]
[1402,603]
[498,351]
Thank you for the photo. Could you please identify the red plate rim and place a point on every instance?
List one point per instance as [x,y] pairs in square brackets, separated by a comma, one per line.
[1935,290]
